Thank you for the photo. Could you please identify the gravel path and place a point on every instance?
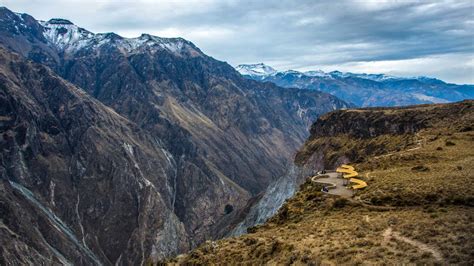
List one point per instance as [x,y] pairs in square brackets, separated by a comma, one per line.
[336,184]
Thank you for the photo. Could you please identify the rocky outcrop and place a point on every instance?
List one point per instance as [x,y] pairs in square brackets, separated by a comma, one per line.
[377,131]
[373,122]
[274,197]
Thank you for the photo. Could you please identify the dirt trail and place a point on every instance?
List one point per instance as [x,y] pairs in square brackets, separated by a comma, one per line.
[419,142]
[389,234]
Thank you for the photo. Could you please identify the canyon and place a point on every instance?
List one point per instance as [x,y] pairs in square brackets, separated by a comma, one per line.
[126,150]
[146,150]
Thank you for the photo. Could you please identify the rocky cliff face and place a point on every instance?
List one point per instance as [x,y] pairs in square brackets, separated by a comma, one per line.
[161,137]
[369,123]
[274,197]
[73,171]
[377,131]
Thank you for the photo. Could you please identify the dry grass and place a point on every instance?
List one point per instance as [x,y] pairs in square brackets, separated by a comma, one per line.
[314,228]
[425,195]
[424,176]
[357,150]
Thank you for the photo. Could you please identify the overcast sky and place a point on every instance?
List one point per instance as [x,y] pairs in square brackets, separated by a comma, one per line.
[407,38]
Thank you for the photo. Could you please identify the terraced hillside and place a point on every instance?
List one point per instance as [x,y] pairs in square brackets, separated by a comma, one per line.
[418,206]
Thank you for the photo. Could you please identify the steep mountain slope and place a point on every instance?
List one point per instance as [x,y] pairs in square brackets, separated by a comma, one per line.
[222,138]
[73,171]
[365,89]
[417,207]
[170,83]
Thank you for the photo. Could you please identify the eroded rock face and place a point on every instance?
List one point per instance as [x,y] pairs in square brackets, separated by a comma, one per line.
[361,124]
[274,197]
[73,171]
[141,157]
[373,122]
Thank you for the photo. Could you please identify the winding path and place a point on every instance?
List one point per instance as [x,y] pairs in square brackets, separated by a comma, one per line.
[336,184]
[389,234]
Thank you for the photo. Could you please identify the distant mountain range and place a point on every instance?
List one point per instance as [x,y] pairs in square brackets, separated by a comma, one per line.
[363,89]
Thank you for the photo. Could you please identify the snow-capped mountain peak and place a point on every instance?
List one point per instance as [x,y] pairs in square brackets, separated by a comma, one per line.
[65,35]
[316,73]
[291,72]
[374,77]
[69,38]
[364,89]
[259,69]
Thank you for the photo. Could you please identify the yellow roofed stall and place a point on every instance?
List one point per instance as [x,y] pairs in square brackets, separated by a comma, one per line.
[349,173]
[359,183]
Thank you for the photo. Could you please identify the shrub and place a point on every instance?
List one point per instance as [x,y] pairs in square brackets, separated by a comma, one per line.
[250,241]
[420,168]
[283,214]
[450,143]
[228,208]
[466,129]
[340,203]
[252,229]
[431,197]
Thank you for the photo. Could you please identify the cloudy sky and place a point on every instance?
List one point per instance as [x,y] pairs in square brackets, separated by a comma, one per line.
[407,38]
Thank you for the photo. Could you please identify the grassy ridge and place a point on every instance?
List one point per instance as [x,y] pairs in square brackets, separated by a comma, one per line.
[418,207]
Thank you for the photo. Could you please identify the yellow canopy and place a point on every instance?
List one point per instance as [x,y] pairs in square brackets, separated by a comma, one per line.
[349,172]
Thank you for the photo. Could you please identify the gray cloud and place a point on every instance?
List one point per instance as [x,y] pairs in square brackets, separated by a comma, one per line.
[370,36]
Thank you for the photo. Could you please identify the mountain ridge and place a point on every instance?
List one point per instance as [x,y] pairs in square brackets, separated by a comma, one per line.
[68,37]
[337,73]
[367,89]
